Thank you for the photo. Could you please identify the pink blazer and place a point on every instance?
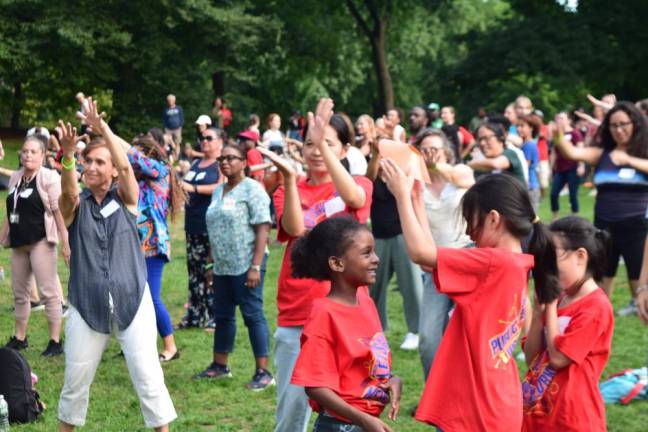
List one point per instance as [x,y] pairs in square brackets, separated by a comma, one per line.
[48,184]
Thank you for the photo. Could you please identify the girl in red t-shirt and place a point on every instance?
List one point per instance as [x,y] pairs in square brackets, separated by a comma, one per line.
[301,203]
[570,337]
[345,362]
[474,383]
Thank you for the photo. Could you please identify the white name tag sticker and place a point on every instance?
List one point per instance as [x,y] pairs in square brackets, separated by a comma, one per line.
[109,209]
[627,173]
[27,193]
[228,204]
[201,176]
[334,206]
[190,175]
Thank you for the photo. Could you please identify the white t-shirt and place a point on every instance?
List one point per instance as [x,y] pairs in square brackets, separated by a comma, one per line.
[357,161]
[447,225]
[272,138]
[398,132]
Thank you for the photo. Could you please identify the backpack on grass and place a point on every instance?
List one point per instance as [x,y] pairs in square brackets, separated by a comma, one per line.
[626,386]
[16,386]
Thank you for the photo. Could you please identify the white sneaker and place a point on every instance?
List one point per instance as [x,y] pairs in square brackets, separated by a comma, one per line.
[411,342]
[630,309]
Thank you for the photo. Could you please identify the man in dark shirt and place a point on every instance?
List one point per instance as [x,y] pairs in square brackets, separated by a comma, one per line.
[173,119]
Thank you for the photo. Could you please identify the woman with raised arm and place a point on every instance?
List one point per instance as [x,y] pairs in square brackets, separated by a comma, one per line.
[33,227]
[620,157]
[107,289]
[301,203]
[442,201]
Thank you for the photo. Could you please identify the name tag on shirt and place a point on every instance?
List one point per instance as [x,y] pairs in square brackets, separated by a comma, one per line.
[626,173]
[27,193]
[228,204]
[109,209]
[201,176]
[190,175]
[334,206]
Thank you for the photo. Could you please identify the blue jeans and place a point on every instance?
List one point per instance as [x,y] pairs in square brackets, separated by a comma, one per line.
[327,423]
[154,269]
[434,319]
[559,180]
[230,291]
[293,411]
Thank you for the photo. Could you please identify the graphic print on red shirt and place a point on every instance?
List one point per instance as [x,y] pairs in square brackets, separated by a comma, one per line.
[318,202]
[569,399]
[343,348]
[474,384]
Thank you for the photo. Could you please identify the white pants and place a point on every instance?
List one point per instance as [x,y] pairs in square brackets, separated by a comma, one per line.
[83,350]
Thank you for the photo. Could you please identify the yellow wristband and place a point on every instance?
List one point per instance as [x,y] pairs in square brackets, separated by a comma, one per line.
[68,164]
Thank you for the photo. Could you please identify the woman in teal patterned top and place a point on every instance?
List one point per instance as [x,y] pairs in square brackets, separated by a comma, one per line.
[238,223]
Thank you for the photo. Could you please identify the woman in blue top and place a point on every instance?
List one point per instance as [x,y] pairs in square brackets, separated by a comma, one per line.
[528,128]
[199,182]
[238,223]
[158,190]
[620,155]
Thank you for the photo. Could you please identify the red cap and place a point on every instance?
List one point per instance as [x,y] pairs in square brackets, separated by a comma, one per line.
[249,134]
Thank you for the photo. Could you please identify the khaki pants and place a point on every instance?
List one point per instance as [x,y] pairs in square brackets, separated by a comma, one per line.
[36,261]
[176,134]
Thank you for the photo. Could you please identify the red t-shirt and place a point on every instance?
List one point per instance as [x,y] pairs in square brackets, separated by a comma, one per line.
[562,163]
[343,348]
[254,157]
[543,145]
[569,399]
[295,296]
[466,137]
[474,383]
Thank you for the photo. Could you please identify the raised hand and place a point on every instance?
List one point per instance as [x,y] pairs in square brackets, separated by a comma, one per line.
[317,123]
[398,183]
[282,164]
[68,139]
[93,117]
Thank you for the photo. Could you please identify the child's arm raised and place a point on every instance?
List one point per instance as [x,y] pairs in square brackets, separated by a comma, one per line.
[420,244]
[557,360]
[328,399]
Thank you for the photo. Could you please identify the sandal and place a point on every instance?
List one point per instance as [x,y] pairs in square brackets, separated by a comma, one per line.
[164,359]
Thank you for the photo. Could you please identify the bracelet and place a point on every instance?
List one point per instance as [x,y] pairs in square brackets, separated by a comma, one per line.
[68,164]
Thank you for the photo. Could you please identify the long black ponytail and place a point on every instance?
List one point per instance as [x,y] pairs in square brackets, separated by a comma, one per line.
[509,197]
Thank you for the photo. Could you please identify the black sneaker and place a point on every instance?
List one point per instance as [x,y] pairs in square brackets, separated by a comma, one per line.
[216,371]
[17,344]
[53,349]
[37,306]
[261,380]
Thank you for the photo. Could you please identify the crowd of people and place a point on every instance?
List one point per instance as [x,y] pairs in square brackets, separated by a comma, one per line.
[451,211]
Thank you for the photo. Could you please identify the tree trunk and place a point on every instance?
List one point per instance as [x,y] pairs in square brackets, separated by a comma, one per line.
[383,77]
[16,108]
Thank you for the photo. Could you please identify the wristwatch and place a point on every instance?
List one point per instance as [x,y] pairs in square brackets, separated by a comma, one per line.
[255,267]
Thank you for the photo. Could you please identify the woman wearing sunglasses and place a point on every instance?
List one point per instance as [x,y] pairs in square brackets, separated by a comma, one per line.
[620,157]
[238,223]
[199,182]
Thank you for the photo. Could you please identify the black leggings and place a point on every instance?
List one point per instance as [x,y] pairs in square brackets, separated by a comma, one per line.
[628,238]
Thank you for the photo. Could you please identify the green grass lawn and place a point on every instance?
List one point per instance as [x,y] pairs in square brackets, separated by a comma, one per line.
[227,405]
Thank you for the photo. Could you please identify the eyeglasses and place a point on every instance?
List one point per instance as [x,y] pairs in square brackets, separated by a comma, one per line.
[228,158]
[485,138]
[620,125]
[207,138]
